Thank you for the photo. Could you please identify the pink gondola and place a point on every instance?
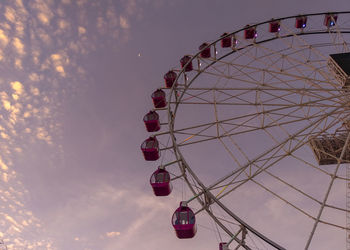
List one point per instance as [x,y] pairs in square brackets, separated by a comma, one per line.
[300,22]
[160,182]
[330,20]
[170,78]
[184,222]
[184,60]
[226,42]
[150,149]
[205,51]
[274,26]
[250,32]
[151,120]
[223,246]
[158,98]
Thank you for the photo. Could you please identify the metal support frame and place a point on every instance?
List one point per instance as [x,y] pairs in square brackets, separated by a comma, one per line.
[181,89]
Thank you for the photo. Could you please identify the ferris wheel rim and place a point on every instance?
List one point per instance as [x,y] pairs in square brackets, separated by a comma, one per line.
[172,113]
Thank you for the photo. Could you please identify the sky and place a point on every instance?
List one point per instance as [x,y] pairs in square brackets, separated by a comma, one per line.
[76,79]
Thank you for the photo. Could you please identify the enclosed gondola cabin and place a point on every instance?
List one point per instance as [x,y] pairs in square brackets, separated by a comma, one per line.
[330,20]
[170,78]
[223,246]
[205,50]
[250,32]
[150,149]
[274,26]
[300,22]
[158,98]
[184,222]
[226,41]
[184,60]
[151,120]
[161,183]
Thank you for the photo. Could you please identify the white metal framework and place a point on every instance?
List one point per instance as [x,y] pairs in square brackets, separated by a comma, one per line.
[260,134]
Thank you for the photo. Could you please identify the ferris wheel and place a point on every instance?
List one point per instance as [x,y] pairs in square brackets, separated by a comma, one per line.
[257,123]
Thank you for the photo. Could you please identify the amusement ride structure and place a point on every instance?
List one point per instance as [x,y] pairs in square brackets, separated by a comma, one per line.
[257,123]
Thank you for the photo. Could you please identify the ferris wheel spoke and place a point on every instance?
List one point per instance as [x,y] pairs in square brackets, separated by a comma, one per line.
[316,52]
[228,231]
[283,57]
[196,96]
[334,37]
[277,121]
[218,126]
[340,37]
[303,140]
[291,114]
[274,148]
[283,199]
[299,209]
[278,98]
[296,189]
[236,145]
[327,192]
[274,97]
[263,70]
[294,61]
[261,85]
[249,127]
[216,71]
[198,134]
[274,156]
[253,102]
[231,93]
[303,43]
[312,50]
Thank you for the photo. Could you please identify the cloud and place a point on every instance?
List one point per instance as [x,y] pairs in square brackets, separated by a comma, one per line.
[42,134]
[3,38]
[63,24]
[44,18]
[124,22]
[34,77]
[18,45]
[10,14]
[44,11]
[99,201]
[81,30]
[35,91]
[17,87]
[18,63]
[58,61]
[112,234]
[46,45]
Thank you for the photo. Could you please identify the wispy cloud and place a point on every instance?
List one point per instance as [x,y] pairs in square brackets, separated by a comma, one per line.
[112,234]
[99,202]
[41,45]
[18,45]
[3,38]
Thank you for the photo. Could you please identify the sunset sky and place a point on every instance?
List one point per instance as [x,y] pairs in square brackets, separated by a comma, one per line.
[76,79]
